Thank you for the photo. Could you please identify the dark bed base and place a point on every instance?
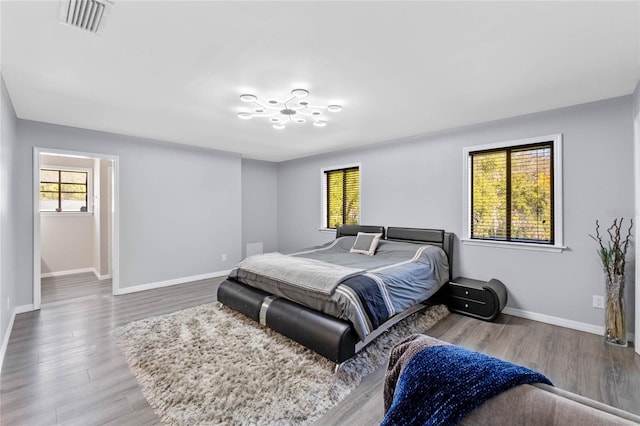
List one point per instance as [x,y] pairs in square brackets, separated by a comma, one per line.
[330,337]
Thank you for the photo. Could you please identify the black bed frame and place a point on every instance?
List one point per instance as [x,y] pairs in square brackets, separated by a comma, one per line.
[331,337]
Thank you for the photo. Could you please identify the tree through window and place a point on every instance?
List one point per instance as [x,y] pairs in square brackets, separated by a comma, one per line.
[63,190]
[512,193]
[342,192]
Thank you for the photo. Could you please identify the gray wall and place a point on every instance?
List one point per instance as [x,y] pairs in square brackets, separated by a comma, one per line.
[8,217]
[179,206]
[259,204]
[418,183]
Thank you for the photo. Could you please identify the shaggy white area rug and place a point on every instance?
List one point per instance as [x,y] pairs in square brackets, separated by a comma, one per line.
[211,365]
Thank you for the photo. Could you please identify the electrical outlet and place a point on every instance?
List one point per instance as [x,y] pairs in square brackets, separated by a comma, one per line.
[224,257]
[598,301]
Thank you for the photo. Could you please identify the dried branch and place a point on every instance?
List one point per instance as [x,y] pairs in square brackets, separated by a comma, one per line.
[613,255]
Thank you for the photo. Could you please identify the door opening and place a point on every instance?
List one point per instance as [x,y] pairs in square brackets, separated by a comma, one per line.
[75,197]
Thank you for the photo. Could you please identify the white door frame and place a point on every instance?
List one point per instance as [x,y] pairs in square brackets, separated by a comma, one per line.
[115,216]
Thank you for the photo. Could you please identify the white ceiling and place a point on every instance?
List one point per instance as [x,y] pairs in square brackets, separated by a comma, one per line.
[173,71]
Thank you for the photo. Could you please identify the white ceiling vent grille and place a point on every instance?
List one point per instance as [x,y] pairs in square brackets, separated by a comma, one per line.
[88,15]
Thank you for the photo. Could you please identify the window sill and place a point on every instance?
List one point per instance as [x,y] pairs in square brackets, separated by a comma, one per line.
[513,245]
[66,213]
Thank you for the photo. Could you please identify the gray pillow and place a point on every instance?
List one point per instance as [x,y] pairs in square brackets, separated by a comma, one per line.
[366,243]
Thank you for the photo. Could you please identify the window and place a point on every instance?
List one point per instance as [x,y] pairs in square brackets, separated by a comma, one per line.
[514,192]
[64,190]
[341,193]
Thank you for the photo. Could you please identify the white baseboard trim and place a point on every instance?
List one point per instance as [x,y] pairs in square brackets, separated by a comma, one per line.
[160,284]
[562,322]
[69,272]
[5,342]
[75,271]
[23,308]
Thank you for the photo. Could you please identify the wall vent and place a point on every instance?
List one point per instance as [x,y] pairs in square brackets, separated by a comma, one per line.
[87,15]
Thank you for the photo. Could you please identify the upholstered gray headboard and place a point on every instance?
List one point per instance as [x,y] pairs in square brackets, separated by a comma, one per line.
[352,230]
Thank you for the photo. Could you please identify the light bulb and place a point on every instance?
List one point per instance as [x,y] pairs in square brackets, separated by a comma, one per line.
[320,123]
[300,93]
[279,126]
[334,108]
[248,98]
[244,115]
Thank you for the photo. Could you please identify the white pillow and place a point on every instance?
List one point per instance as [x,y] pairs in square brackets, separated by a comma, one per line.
[366,243]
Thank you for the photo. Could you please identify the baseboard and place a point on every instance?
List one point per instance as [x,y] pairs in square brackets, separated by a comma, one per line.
[76,271]
[562,322]
[22,309]
[176,281]
[5,342]
[69,272]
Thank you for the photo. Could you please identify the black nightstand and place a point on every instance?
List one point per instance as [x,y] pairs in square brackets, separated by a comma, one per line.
[479,299]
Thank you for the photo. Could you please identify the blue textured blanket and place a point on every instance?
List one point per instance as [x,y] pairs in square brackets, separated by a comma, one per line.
[442,384]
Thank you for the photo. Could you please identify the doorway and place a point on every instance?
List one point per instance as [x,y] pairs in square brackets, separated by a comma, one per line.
[75,198]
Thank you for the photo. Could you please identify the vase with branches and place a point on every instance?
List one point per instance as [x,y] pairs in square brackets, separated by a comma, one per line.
[613,254]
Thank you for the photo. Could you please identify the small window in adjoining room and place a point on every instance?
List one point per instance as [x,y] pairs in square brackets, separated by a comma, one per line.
[64,190]
[514,193]
[341,194]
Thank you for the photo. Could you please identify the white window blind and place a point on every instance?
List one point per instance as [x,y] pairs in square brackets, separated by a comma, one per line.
[512,194]
[342,192]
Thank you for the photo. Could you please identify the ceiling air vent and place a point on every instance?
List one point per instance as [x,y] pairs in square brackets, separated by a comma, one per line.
[87,15]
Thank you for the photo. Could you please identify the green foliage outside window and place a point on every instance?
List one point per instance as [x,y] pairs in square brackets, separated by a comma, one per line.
[62,190]
[512,194]
[343,196]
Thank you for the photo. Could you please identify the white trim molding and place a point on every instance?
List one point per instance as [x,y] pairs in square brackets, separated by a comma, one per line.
[513,245]
[76,271]
[5,342]
[558,235]
[562,322]
[69,272]
[175,281]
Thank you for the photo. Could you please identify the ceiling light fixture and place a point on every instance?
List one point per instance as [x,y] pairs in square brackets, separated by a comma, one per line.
[290,110]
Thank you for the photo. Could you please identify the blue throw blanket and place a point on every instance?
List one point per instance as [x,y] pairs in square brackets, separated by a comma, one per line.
[442,384]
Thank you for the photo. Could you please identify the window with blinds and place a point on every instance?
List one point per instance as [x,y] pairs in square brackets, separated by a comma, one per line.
[342,196]
[512,193]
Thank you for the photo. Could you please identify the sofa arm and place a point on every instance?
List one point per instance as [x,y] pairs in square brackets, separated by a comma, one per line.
[540,404]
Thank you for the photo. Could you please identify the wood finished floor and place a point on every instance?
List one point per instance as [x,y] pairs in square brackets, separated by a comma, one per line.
[61,366]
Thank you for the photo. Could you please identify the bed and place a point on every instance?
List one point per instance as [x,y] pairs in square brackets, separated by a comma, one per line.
[335,301]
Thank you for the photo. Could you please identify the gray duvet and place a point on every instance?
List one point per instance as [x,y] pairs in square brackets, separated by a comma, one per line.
[403,273]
